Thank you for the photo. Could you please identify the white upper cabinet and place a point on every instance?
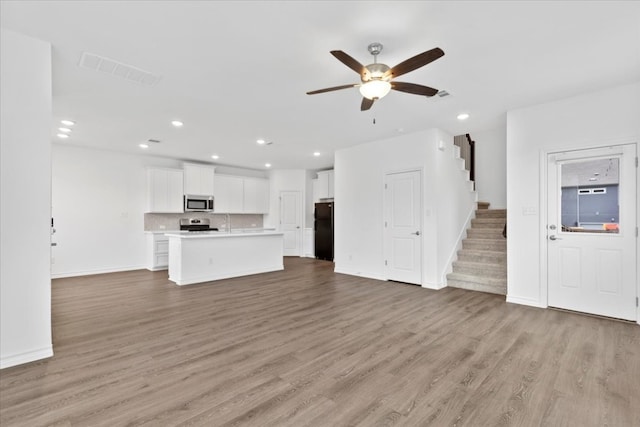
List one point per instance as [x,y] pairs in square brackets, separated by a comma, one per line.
[198,179]
[325,185]
[237,194]
[164,190]
[228,195]
[256,195]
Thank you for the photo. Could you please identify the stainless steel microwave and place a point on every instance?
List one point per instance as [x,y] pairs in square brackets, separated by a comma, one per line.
[198,203]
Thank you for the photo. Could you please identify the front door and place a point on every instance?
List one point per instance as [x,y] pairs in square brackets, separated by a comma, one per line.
[403,230]
[591,231]
[291,222]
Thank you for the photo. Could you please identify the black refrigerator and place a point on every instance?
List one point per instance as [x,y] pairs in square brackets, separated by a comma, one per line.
[323,215]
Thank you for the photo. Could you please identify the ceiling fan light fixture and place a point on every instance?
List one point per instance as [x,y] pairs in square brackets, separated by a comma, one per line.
[375,89]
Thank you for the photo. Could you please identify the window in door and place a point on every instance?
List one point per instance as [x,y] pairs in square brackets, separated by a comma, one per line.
[590,202]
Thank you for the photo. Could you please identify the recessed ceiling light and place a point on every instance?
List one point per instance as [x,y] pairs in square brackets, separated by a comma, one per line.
[177,123]
[215,157]
[63,135]
[261,142]
[267,165]
[463,116]
[143,145]
[65,130]
[67,122]
[317,153]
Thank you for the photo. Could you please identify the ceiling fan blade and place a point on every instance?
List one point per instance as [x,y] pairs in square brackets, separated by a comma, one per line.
[366,104]
[330,89]
[413,88]
[350,62]
[415,62]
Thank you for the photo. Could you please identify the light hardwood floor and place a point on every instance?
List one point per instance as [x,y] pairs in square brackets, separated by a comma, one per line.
[308,347]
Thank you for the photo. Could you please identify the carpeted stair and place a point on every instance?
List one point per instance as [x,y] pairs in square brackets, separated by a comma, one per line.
[482,261]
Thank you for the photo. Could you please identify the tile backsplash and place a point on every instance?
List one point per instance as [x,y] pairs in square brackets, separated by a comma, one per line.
[169,221]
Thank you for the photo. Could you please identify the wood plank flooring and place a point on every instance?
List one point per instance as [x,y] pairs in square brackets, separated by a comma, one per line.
[308,347]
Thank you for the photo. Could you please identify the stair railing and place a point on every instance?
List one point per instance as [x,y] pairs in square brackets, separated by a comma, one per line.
[468,153]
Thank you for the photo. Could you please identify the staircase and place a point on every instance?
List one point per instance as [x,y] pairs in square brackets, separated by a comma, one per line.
[482,261]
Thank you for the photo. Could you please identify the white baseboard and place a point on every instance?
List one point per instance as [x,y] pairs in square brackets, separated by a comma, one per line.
[357,273]
[434,286]
[29,356]
[97,271]
[525,301]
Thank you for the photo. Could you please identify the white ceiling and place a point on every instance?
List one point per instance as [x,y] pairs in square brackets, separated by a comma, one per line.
[237,71]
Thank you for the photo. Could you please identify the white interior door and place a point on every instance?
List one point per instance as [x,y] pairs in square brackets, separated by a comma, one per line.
[291,222]
[403,227]
[592,231]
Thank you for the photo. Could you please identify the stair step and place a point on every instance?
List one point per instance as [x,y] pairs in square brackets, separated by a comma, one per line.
[485,233]
[474,283]
[482,256]
[491,213]
[485,244]
[483,205]
[482,269]
[488,223]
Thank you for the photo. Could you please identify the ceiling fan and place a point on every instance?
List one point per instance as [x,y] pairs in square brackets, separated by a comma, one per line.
[377,79]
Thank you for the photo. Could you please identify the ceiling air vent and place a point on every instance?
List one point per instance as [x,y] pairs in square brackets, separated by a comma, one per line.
[443,93]
[154,141]
[105,65]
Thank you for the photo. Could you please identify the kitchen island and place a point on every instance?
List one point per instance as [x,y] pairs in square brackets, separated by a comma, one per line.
[196,257]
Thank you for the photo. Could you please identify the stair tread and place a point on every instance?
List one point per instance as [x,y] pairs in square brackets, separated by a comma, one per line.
[495,281]
[475,287]
[480,265]
[497,238]
[466,251]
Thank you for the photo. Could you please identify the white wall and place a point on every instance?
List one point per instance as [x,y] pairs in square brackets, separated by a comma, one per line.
[290,180]
[99,200]
[284,180]
[359,180]
[25,155]
[491,166]
[309,203]
[591,120]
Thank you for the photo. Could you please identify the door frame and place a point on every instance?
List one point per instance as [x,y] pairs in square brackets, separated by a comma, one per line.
[542,235]
[384,218]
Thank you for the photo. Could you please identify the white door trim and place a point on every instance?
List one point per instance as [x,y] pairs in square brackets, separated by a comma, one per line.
[298,251]
[421,219]
[543,194]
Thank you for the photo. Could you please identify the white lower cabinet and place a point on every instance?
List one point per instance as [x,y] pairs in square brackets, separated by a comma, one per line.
[157,251]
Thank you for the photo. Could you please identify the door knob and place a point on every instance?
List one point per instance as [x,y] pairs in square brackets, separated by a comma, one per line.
[417,233]
[553,237]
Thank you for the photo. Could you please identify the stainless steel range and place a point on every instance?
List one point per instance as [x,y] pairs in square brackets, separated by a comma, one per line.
[196,224]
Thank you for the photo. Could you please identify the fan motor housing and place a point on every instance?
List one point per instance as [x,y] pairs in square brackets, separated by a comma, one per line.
[376,72]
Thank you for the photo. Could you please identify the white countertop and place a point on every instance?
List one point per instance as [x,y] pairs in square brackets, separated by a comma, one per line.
[221,234]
